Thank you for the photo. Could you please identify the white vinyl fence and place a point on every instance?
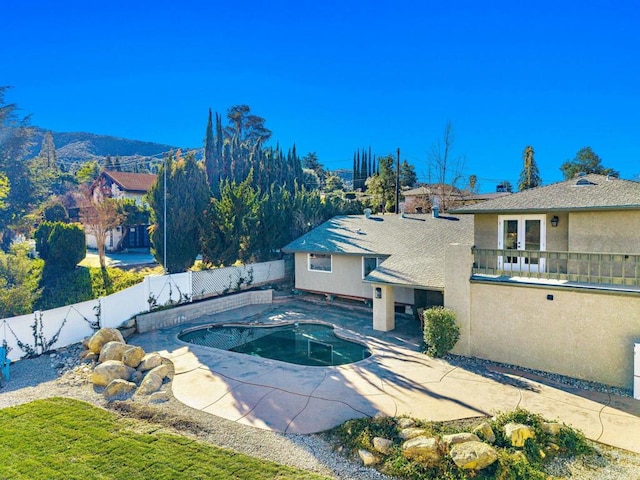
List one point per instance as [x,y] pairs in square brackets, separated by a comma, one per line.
[51,329]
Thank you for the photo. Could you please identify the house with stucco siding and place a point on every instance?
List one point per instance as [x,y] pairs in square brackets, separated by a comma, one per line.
[551,280]
[119,186]
[393,262]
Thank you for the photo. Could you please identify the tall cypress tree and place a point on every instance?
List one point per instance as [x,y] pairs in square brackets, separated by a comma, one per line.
[363,169]
[213,175]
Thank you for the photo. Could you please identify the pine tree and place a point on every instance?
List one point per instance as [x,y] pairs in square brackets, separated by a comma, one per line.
[530,176]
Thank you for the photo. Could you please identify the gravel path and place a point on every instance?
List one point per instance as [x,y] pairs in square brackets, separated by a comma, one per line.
[62,375]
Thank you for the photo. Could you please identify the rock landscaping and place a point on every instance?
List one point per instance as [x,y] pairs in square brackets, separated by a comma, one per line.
[512,445]
[125,371]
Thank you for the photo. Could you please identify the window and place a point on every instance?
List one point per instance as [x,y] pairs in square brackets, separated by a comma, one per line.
[369,264]
[319,262]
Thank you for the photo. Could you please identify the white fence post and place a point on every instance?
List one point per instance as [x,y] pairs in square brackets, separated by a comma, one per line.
[147,291]
[636,371]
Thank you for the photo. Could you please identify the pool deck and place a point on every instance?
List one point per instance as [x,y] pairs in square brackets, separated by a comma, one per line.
[396,380]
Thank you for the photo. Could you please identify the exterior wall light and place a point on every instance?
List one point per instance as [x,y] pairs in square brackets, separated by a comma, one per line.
[554,221]
[378,292]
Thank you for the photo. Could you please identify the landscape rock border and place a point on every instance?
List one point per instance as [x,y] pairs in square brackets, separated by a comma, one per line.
[123,371]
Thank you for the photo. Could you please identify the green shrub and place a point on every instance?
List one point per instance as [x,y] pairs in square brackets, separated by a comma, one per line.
[61,245]
[19,278]
[61,288]
[441,333]
[41,237]
[55,212]
[67,245]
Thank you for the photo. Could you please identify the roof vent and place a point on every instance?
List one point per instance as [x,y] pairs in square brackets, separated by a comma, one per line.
[583,182]
[367,213]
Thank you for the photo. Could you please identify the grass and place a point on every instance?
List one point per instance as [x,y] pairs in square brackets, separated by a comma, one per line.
[62,438]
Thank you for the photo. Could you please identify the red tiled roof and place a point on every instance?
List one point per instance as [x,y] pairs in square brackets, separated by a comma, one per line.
[132,182]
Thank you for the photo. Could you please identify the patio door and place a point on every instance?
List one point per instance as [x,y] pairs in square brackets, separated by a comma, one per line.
[525,235]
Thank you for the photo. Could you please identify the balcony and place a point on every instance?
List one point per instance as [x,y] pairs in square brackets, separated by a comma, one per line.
[612,271]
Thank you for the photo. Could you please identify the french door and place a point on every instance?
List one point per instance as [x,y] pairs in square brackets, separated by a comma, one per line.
[526,236]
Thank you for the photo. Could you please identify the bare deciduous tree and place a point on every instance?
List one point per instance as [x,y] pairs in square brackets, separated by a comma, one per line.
[100,215]
[445,170]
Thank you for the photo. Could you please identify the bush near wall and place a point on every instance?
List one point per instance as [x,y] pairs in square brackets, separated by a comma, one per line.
[61,245]
[61,288]
[441,333]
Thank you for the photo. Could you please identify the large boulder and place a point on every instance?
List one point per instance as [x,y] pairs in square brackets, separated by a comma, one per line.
[425,450]
[150,384]
[485,432]
[133,356]
[518,433]
[161,370]
[110,370]
[112,351]
[367,457]
[455,438]
[412,432]
[149,361]
[382,445]
[473,455]
[102,336]
[118,389]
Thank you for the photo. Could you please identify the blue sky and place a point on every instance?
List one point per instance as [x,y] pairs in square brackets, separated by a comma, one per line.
[334,76]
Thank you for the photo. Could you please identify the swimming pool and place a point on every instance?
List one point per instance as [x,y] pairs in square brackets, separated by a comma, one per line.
[302,344]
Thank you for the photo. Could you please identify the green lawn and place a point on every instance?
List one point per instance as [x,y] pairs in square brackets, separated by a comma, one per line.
[61,438]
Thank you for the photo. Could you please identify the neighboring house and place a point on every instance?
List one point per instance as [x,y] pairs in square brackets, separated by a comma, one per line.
[420,199]
[393,261]
[552,281]
[120,185]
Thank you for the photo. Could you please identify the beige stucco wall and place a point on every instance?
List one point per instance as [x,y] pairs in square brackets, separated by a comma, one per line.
[486,231]
[457,296]
[579,333]
[344,279]
[558,237]
[613,232]
[586,334]
[384,318]
[485,228]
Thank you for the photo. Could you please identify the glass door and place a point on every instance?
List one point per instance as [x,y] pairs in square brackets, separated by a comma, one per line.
[525,235]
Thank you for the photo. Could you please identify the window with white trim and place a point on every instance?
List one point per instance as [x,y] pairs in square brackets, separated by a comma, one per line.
[369,264]
[319,262]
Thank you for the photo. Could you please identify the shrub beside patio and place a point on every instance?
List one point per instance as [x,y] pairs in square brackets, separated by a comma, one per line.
[61,438]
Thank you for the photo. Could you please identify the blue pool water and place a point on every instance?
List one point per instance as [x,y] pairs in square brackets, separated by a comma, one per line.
[302,344]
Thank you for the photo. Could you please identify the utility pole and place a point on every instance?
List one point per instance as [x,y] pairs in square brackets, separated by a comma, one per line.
[398,183]
[164,219]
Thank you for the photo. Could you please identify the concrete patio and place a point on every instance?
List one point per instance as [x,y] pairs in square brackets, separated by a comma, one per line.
[396,380]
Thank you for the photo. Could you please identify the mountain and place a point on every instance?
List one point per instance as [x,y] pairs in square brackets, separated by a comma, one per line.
[76,148]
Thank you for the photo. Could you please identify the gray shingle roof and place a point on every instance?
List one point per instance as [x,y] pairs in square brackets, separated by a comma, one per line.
[415,244]
[589,192]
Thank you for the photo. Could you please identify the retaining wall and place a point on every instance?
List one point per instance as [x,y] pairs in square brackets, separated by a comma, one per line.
[147,322]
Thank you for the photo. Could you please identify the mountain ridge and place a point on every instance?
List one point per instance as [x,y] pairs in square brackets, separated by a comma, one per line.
[76,148]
